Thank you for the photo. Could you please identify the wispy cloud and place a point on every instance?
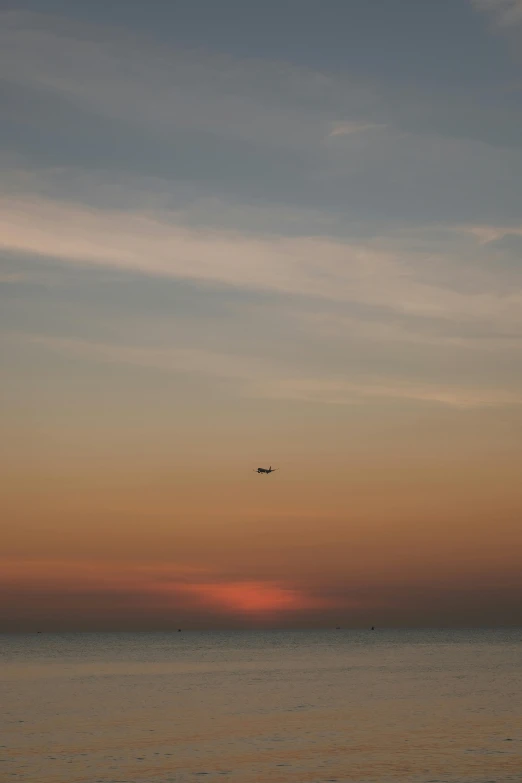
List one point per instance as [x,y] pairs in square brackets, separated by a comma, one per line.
[317,145]
[153,86]
[507,13]
[159,228]
[347,128]
[149,86]
[384,273]
[268,379]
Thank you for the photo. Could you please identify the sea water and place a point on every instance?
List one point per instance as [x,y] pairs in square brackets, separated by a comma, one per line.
[300,706]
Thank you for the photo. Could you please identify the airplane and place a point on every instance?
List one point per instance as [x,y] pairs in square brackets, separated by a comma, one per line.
[266,470]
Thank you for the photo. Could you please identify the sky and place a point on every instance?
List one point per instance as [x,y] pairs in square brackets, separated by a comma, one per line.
[243,234]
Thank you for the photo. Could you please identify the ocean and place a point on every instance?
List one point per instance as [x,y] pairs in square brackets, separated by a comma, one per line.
[275,706]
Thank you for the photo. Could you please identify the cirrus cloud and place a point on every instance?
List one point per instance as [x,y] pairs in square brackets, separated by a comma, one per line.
[507,13]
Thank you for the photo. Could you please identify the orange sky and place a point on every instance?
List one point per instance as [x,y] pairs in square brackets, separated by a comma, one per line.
[102,536]
[249,249]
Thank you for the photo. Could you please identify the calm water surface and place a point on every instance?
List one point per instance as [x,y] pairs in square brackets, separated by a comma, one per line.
[274,706]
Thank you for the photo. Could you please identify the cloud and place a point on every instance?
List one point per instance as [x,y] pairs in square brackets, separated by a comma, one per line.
[268,379]
[487,234]
[507,13]
[396,316]
[160,88]
[382,272]
[89,111]
[162,163]
[385,329]
[138,84]
[347,128]
[17,278]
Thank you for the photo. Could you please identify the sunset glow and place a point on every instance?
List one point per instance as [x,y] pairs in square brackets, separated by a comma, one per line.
[252,598]
[217,255]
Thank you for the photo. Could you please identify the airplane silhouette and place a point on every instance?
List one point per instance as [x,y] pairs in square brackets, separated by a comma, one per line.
[266,470]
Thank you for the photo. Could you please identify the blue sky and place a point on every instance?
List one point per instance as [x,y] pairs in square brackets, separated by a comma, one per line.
[344,175]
